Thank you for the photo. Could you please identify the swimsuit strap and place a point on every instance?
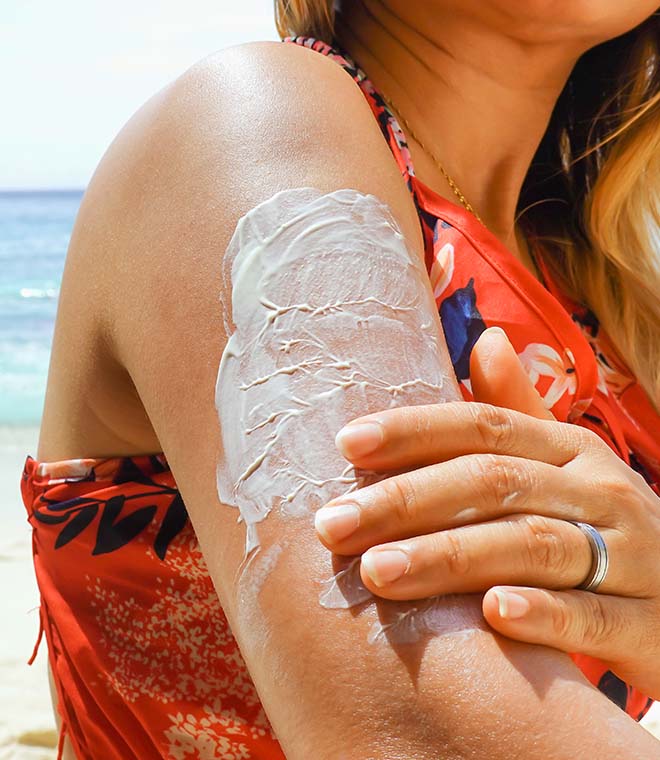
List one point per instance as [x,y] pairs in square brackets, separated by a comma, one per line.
[387,122]
[389,127]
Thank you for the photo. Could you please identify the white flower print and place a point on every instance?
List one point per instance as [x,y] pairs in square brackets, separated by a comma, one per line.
[541,360]
[179,650]
[442,269]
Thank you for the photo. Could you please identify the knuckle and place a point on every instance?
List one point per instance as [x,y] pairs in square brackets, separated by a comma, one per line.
[598,624]
[501,478]
[589,441]
[647,585]
[562,620]
[451,547]
[585,624]
[621,497]
[543,547]
[642,548]
[401,497]
[622,493]
[424,422]
[494,426]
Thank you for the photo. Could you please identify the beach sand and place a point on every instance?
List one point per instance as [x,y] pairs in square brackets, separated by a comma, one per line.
[27,725]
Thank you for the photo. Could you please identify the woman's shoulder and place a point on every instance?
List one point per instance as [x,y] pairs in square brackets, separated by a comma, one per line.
[231,131]
[237,126]
[263,95]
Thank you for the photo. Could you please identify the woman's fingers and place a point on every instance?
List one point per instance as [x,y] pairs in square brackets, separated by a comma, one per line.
[469,489]
[497,376]
[425,434]
[518,550]
[606,627]
[414,436]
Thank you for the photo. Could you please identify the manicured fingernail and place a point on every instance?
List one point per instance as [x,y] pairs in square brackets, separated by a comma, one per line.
[510,605]
[386,565]
[336,523]
[359,439]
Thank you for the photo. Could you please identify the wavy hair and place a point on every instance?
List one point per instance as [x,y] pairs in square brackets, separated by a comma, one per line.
[592,192]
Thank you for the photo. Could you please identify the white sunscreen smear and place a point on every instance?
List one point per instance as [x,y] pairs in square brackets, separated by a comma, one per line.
[332,317]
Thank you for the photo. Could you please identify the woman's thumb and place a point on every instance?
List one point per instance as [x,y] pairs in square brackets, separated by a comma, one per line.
[498,378]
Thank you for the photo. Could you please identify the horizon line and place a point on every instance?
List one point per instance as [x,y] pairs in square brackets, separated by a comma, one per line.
[7,190]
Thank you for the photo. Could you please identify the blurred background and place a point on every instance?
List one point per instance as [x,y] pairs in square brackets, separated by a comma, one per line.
[72,73]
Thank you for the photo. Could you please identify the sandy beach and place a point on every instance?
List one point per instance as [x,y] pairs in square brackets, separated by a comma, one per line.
[27,726]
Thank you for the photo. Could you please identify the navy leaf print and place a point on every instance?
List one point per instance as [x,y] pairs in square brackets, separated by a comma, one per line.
[113,507]
[113,535]
[614,688]
[173,523]
[462,324]
[44,517]
[645,709]
[79,501]
[129,472]
[156,464]
[76,525]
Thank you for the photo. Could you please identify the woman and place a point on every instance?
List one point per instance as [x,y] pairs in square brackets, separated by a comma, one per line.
[141,618]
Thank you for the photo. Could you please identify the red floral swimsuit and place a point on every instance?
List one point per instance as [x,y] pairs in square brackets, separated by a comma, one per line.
[144,661]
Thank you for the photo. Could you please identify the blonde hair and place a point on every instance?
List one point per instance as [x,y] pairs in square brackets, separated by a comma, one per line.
[592,193]
[310,18]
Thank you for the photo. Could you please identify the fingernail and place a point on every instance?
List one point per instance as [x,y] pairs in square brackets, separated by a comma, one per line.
[499,331]
[359,439]
[510,605]
[386,565]
[336,523]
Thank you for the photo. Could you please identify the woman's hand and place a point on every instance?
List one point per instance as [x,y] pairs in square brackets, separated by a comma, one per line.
[483,498]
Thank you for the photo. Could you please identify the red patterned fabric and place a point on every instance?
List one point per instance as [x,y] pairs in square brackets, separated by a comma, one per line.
[144,661]
[145,664]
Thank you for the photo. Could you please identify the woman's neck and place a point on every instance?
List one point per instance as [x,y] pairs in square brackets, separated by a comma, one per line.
[478,99]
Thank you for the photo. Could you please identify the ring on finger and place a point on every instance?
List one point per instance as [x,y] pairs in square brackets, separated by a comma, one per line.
[599,557]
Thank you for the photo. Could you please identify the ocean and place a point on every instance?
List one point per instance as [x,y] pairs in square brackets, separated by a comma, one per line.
[35,229]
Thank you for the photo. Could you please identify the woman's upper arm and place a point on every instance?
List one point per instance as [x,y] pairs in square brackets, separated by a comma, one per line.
[371,679]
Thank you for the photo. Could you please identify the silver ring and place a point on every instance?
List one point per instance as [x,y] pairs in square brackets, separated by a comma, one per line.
[599,557]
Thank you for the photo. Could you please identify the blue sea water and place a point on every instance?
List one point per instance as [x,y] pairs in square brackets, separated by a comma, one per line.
[35,228]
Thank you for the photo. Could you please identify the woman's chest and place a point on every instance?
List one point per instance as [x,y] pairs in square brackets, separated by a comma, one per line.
[563,350]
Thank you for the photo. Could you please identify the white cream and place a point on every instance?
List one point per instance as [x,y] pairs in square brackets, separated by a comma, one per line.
[344,588]
[404,623]
[332,317]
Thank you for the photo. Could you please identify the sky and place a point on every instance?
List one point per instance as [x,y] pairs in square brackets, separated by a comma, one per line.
[72,72]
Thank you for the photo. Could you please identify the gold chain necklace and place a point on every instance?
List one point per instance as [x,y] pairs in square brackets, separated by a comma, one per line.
[457,192]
